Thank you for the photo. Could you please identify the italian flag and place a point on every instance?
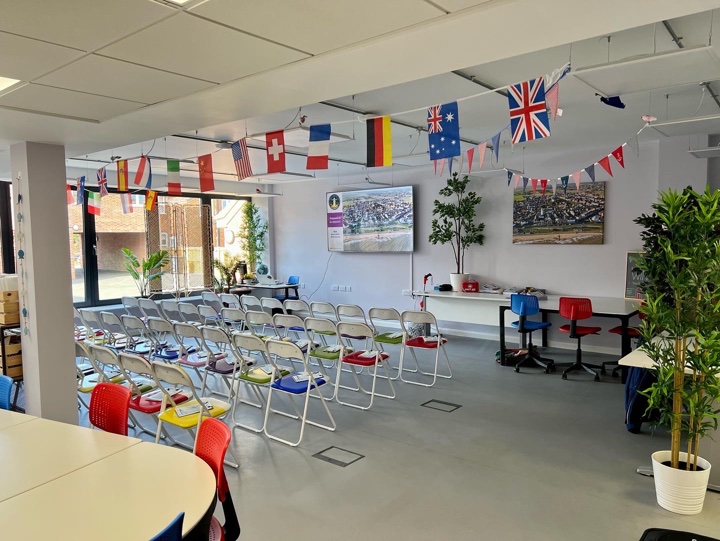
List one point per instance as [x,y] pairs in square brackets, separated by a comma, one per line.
[173,177]
[94,203]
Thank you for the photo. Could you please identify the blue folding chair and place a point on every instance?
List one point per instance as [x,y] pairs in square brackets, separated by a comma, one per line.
[6,384]
[524,306]
[173,531]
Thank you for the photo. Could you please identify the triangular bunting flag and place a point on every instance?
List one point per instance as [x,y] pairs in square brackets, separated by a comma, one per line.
[564,181]
[605,164]
[150,200]
[634,145]
[442,166]
[102,181]
[533,181]
[543,186]
[618,155]
[496,145]
[552,98]
[590,170]
[554,186]
[517,181]
[80,190]
[435,166]
[205,167]
[94,202]
[525,183]
[510,176]
[450,162]
[143,176]
[126,202]
[576,179]
[470,154]
[68,194]
[482,147]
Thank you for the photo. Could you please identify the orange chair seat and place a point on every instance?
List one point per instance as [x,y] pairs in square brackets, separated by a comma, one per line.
[143,405]
[355,358]
[580,330]
[420,342]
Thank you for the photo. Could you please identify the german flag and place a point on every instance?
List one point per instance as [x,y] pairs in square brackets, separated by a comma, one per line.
[379,142]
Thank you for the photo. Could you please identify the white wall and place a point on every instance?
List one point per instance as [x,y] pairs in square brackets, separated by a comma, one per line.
[378,279]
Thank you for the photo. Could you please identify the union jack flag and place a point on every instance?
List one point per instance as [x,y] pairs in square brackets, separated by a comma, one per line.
[434,119]
[528,111]
[102,181]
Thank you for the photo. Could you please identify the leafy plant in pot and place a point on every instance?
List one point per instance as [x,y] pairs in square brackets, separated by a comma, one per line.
[227,268]
[454,223]
[681,330]
[253,235]
[147,270]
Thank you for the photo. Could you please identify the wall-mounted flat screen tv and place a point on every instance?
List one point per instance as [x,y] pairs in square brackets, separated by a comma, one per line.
[377,220]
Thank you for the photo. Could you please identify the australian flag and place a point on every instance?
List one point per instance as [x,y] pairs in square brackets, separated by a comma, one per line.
[528,112]
[443,131]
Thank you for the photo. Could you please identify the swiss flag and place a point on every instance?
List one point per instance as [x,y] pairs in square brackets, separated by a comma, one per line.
[275,144]
[618,154]
[205,166]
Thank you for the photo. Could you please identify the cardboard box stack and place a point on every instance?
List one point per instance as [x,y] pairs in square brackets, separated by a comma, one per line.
[11,364]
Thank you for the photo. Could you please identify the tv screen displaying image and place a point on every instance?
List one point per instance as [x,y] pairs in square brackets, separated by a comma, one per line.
[377,220]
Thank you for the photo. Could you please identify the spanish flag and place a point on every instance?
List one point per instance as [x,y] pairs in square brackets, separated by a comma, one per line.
[379,142]
[122,176]
[150,200]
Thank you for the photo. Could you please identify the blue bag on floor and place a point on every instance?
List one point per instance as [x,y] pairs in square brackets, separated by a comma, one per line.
[638,379]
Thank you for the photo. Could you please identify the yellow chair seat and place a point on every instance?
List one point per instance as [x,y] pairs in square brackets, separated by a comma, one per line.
[190,421]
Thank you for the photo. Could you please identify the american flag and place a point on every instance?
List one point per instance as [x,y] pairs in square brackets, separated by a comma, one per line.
[242,159]
[528,111]
[102,181]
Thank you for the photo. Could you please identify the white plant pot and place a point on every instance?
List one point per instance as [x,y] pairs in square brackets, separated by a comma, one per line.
[680,491]
[457,279]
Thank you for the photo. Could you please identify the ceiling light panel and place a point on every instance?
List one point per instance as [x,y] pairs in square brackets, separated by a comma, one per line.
[688,126]
[664,70]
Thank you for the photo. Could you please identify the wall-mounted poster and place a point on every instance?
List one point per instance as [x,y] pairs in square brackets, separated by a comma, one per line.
[567,216]
[633,279]
[376,220]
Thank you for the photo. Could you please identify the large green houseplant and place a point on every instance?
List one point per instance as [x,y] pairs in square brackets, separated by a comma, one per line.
[681,331]
[253,235]
[454,223]
[147,270]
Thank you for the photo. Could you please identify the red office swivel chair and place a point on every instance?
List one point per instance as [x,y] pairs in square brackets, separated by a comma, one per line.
[577,309]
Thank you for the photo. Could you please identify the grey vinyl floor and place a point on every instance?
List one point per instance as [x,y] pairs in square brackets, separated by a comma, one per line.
[525,457]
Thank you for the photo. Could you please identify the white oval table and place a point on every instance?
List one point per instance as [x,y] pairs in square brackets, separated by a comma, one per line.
[65,482]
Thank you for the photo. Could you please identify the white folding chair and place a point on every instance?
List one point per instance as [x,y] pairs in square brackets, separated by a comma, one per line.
[233,318]
[149,308]
[259,322]
[192,355]
[159,332]
[131,306]
[138,335]
[189,313]
[298,307]
[305,383]
[229,300]
[323,309]
[94,331]
[250,302]
[189,414]
[117,333]
[322,352]
[170,310]
[222,360]
[209,315]
[270,304]
[363,358]
[433,342]
[210,298]
[87,377]
[286,324]
[352,313]
[380,317]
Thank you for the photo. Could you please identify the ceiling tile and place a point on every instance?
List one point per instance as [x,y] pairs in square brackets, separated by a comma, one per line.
[46,99]
[86,24]
[457,5]
[117,79]
[316,26]
[198,48]
[31,58]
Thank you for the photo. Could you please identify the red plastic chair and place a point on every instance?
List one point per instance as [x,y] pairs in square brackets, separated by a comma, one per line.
[211,444]
[576,309]
[109,405]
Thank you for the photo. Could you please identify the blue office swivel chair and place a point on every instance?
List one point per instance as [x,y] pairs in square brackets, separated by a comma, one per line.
[524,306]
[6,384]
[293,280]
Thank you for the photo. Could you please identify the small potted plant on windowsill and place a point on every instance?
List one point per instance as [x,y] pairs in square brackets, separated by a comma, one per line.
[454,224]
[681,330]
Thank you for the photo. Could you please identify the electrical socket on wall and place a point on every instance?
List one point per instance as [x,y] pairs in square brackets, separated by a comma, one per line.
[349,288]
[343,288]
[406,292]
[334,288]
[302,285]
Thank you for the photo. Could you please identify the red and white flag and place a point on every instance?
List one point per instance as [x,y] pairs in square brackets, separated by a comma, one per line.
[69,195]
[470,154]
[482,147]
[619,156]
[205,166]
[605,164]
[275,149]
[543,185]
[143,176]
[534,184]
[126,202]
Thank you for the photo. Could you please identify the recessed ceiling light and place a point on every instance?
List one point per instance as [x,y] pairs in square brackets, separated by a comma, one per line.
[7,83]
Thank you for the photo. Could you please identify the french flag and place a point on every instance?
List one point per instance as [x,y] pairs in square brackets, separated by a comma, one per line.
[319,147]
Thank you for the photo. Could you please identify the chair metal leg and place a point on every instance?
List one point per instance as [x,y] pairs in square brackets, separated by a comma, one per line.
[579,365]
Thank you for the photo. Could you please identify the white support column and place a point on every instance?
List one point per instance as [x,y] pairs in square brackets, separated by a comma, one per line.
[48,350]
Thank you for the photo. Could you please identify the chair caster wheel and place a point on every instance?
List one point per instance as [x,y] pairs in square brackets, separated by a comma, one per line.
[597,378]
[564,376]
[517,369]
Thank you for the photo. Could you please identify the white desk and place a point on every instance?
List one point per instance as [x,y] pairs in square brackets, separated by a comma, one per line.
[125,489]
[271,287]
[11,418]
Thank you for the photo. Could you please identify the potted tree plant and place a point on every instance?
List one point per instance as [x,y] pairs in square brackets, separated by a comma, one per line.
[227,268]
[147,270]
[681,330]
[252,234]
[454,224]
